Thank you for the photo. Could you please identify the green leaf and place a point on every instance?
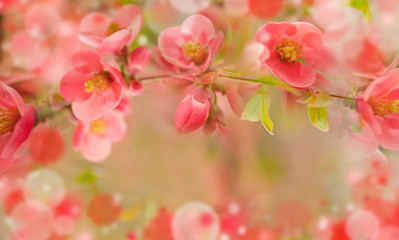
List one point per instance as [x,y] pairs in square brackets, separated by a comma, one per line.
[320,99]
[363,6]
[86,177]
[318,117]
[252,109]
[264,114]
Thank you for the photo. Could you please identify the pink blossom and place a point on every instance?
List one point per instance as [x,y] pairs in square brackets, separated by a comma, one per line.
[379,110]
[109,35]
[16,123]
[297,52]
[194,110]
[92,86]
[192,45]
[93,139]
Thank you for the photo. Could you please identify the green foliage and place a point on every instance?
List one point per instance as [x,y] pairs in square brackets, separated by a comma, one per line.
[257,109]
[363,6]
[319,99]
[264,114]
[318,117]
[252,109]
[86,177]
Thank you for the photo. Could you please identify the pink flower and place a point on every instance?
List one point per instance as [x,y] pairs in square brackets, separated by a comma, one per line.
[194,110]
[191,46]
[92,86]
[93,139]
[379,108]
[109,35]
[16,123]
[297,52]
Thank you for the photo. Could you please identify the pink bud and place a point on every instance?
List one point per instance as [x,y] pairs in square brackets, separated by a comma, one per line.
[135,87]
[194,110]
[138,59]
[216,119]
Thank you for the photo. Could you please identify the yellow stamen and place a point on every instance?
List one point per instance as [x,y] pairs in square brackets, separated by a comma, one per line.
[289,50]
[98,126]
[112,28]
[98,82]
[8,119]
[195,52]
[384,106]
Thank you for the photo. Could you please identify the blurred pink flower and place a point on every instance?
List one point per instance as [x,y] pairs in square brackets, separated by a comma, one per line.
[92,86]
[192,45]
[109,35]
[93,139]
[379,108]
[16,123]
[194,110]
[297,52]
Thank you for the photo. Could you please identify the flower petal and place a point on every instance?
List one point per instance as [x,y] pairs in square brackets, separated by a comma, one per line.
[93,29]
[199,28]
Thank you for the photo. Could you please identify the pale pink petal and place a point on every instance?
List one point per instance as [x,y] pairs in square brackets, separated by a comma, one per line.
[295,74]
[78,134]
[113,96]
[11,95]
[89,109]
[86,61]
[93,29]
[27,51]
[199,28]
[131,18]
[94,148]
[116,75]
[115,42]
[216,43]
[368,115]
[170,43]
[191,115]
[135,88]
[20,133]
[72,86]
[389,137]
[116,126]
[41,20]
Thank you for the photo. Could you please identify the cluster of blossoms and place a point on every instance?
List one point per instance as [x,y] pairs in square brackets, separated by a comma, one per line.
[108,64]
[98,63]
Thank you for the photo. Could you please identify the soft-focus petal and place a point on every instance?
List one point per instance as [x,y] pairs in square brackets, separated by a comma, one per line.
[93,29]
[95,149]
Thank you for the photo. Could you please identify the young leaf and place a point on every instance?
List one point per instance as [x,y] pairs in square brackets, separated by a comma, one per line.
[320,99]
[252,109]
[86,177]
[264,114]
[318,117]
[363,6]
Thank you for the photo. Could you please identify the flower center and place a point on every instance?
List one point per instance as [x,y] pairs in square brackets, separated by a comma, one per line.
[384,106]
[289,50]
[98,127]
[98,82]
[195,51]
[112,28]
[8,119]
